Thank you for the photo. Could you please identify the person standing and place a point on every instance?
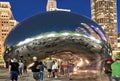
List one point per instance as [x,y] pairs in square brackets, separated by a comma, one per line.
[49,67]
[42,67]
[20,67]
[107,69]
[14,69]
[35,69]
[116,70]
[56,67]
[25,66]
[53,69]
[70,70]
[61,68]
[8,63]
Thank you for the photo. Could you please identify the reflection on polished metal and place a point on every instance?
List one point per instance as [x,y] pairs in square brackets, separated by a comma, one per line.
[63,35]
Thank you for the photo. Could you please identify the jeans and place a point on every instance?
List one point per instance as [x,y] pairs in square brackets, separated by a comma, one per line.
[115,78]
[14,75]
[20,71]
[41,75]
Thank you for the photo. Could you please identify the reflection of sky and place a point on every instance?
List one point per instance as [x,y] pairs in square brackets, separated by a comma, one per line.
[46,22]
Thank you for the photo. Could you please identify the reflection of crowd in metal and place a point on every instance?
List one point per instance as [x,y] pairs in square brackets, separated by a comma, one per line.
[36,45]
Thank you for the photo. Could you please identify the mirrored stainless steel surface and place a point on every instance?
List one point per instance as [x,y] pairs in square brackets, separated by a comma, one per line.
[57,34]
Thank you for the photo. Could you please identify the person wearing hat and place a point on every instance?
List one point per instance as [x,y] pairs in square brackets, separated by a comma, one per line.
[35,69]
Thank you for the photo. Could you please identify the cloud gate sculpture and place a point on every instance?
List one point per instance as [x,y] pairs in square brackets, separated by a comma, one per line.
[59,33]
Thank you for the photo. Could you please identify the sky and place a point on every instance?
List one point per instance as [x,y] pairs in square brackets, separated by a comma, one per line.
[23,9]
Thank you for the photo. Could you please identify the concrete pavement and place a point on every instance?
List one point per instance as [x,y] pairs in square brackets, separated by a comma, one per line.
[4,76]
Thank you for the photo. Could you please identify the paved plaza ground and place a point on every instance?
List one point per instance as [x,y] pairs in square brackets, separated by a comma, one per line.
[4,76]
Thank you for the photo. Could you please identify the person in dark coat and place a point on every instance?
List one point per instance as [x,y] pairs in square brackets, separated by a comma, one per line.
[35,69]
[107,69]
[42,67]
[14,70]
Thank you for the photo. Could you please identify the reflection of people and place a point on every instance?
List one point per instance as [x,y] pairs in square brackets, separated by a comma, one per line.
[13,68]
[116,70]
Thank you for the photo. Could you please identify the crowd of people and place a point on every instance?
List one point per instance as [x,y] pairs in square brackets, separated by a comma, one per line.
[56,69]
[52,66]
[16,68]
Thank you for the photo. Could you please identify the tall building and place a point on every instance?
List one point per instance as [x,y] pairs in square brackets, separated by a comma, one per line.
[7,22]
[118,45]
[118,41]
[104,12]
[51,5]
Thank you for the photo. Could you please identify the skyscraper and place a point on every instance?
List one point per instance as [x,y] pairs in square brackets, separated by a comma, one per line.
[7,22]
[118,41]
[51,5]
[104,12]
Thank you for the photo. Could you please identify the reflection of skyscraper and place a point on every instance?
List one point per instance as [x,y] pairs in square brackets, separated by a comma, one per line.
[7,22]
[104,13]
[51,5]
